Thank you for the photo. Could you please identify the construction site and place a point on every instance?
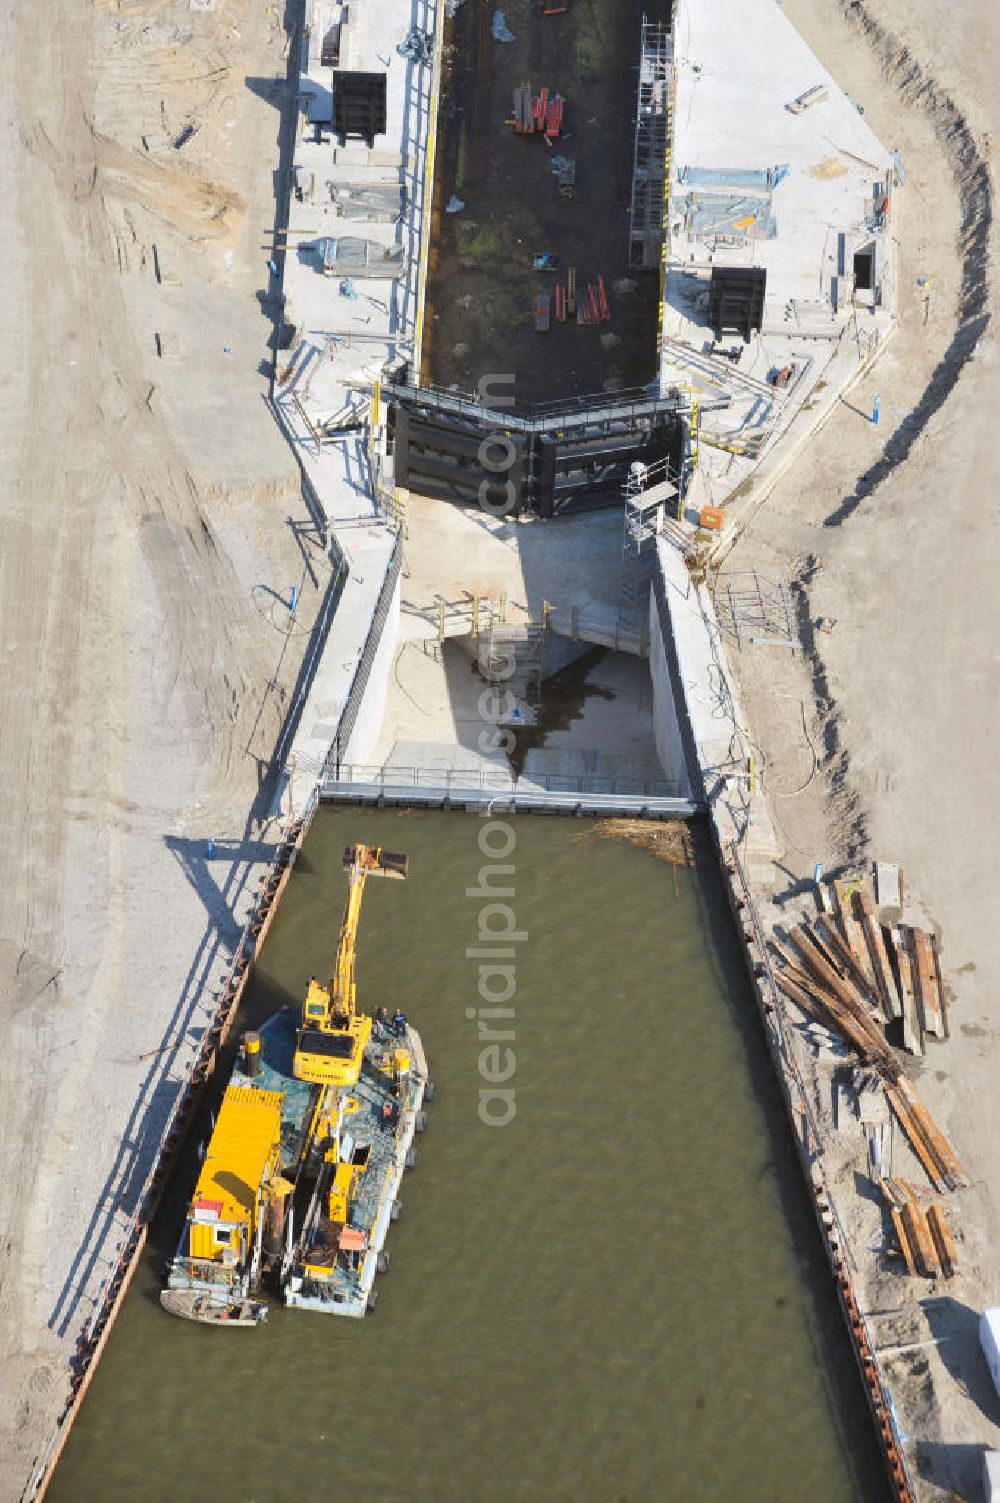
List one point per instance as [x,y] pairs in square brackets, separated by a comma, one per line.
[537,409]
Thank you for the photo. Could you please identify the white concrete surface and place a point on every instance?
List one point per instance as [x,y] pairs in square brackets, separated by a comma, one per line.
[666,725]
[437,723]
[737,64]
[723,746]
[343,342]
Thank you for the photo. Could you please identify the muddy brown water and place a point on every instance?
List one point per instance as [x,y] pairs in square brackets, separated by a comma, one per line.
[481,288]
[620,1295]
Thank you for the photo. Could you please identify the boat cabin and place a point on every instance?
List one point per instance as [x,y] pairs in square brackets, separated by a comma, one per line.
[329,1047]
[241,1160]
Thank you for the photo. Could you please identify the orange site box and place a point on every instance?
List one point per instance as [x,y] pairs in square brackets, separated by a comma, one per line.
[712,517]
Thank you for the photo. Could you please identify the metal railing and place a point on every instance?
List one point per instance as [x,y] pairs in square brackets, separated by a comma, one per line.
[600,407]
[618,629]
[362,673]
[500,781]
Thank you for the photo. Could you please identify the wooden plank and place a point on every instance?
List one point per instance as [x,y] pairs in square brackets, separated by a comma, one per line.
[836,946]
[875,1045]
[872,930]
[946,1155]
[801,998]
[925,983]
[915,1138]
[826,1010]
[936,951]
[896,1192]
[913,1036]
[944,1242]
[903,1238]
[924,1251]
[818,997]
[854,936]
[819,939]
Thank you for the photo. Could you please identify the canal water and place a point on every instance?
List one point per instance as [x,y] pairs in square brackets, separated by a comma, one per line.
[619,1295]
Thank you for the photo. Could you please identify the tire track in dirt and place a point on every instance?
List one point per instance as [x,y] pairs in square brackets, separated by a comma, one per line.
[848,816]
[93,465]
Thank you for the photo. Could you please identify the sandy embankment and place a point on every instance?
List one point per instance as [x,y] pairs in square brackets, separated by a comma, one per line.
[145,505]
[892,532]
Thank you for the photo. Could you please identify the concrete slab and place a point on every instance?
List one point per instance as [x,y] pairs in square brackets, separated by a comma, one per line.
[435,723]
[754,184]
[738,64]
[453,553]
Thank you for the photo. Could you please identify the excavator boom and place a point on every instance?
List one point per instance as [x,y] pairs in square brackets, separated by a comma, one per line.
[331,1040]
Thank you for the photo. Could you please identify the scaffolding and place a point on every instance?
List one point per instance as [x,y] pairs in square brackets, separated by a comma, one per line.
[757,611]
[652,140]
[646,490]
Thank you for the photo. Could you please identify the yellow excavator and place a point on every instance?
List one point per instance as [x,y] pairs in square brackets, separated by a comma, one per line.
[330,1044]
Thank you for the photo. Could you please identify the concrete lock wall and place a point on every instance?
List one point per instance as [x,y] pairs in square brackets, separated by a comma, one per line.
[697,708]
[672,729]
[666,723]
[373,706]
[369,725]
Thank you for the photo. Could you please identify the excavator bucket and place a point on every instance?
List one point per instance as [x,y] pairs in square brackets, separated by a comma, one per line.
[384,864]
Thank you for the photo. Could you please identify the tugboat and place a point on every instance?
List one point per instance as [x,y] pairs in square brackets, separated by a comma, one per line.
[315,1129]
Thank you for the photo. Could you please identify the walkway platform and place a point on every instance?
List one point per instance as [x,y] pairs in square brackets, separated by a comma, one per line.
[345,329]
[498,792]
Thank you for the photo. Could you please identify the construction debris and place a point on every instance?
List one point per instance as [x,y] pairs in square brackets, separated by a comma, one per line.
[501,31]
[537,114]
[930,1006]
[417,45]
[924,1237]
[564,169]
[805,101]
[836,969]
[912,1033]
[888,886]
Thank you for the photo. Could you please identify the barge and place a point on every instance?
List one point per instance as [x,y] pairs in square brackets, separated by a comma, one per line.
[301,1174]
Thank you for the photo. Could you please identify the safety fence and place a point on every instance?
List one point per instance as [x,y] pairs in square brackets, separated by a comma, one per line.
[497,788]
[315,648]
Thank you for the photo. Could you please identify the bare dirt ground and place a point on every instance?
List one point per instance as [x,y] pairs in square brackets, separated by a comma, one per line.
[892,532]
[146,502]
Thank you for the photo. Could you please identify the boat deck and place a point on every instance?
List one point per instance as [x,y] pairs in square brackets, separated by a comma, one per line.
[348,1278]
[276,1054]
